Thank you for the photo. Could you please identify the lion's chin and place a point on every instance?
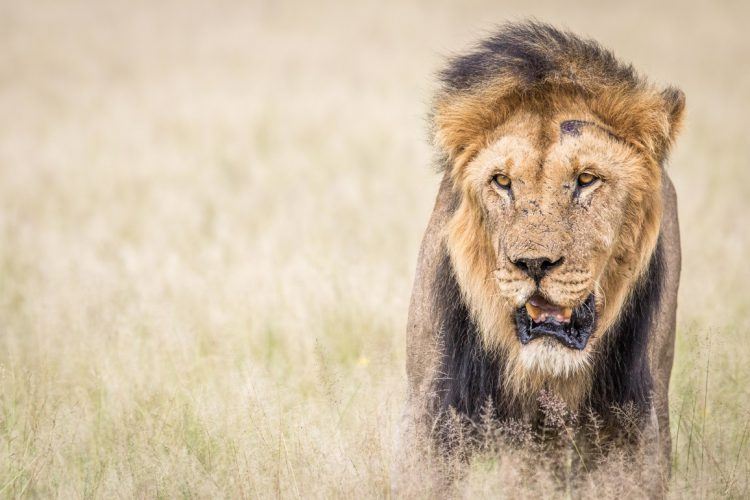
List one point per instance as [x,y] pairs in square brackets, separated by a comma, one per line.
[547,357]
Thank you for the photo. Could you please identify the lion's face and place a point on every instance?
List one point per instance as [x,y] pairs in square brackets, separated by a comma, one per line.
[557,219]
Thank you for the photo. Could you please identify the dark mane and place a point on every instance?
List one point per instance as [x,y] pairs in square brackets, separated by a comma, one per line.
[535,53]
[470,377]
[535,65]
[622,375]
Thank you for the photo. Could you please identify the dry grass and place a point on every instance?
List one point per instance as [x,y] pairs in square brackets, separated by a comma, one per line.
[209,215]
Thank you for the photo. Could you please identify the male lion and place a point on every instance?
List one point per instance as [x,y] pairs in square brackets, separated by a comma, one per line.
[552,258]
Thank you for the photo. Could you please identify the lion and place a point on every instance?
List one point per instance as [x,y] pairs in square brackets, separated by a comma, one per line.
[551,261]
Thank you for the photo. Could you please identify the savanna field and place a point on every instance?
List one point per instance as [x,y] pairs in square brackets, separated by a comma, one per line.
[209,223]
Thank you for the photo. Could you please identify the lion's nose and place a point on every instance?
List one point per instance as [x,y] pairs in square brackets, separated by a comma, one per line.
[538,267]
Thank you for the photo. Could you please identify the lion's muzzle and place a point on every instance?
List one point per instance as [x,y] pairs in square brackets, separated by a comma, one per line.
[571,327]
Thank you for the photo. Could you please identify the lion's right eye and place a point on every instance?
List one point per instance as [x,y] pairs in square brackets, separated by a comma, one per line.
[586,179]
[501,181]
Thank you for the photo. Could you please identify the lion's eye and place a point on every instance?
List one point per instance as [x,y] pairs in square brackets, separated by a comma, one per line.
[586,179]
[501,181]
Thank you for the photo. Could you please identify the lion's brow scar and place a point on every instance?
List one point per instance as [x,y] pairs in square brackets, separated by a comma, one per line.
[573,127]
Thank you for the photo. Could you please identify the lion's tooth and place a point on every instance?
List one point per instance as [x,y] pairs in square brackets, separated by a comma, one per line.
[567,313]
[533,311]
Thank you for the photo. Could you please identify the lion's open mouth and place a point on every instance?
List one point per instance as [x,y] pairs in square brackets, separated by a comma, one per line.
[571,327]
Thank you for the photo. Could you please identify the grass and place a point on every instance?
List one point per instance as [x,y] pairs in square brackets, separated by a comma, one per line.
[209,219]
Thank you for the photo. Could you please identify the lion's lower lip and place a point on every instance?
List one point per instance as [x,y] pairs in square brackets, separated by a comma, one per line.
[571,327]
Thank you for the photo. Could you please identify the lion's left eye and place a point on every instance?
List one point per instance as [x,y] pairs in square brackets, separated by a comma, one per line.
[586,179]
[501,181]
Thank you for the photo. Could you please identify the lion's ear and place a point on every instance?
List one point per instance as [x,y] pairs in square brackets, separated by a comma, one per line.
[674,103]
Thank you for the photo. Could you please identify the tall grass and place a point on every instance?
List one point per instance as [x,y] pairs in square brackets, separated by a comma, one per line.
[209,218]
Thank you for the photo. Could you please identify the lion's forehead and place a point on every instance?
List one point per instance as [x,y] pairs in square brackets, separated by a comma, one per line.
[529,146]
[509,150]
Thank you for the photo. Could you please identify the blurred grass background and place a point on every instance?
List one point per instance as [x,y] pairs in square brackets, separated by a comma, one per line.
[209,220]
